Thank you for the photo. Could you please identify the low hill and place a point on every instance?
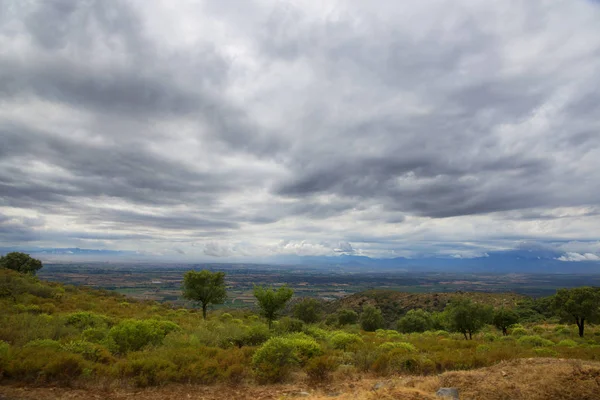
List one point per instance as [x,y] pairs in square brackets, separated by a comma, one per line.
[394,304]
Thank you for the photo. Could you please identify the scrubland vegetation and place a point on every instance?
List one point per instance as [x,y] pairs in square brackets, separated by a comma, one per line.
[65,335]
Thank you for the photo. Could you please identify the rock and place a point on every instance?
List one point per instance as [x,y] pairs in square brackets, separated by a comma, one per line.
[378,385]
[302,394]
[448,393]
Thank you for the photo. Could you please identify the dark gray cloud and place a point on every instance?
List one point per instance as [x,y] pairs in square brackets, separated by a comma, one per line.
[259,128]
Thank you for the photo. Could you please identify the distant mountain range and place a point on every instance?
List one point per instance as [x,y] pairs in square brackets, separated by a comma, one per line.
[503,262]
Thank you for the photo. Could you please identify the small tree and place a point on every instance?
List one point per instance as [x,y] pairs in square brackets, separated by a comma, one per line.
[371,319]
[415,321]
[308,310]
[271,301]
[347,317]
[20,262]
[503,318]
[204,287]
[580,304]
[467,317]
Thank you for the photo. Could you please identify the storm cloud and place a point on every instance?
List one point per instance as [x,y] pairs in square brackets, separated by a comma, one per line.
[249,129]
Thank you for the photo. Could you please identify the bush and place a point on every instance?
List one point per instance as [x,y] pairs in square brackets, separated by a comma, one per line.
[535,341]
[406,347]
[343,340]
[395,361]
[567,343]
[133,335]
[148,371]
[320,368]
[31,364]
[84,320]
[518,332]
[43,343]
[275,359]
[90,351]
[315,332]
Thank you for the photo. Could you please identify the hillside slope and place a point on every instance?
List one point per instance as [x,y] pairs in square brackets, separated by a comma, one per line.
[525,379]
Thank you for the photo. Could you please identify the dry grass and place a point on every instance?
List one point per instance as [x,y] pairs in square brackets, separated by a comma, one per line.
[525,379]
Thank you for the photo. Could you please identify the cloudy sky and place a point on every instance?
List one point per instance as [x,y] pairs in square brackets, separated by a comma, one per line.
[249,129]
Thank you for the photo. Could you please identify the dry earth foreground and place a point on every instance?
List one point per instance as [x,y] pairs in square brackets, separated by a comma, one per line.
[526,379]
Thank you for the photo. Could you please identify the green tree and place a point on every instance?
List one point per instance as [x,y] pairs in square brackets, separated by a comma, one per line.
[308,310]
[580,304]
[347,317]
[371,319]
[467,317]
[20,262]
[271,301]
[204,287]
[415,321]
[503,318]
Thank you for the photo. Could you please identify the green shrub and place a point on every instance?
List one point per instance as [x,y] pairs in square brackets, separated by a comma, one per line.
[343,340]
[84,319]
[567,343]
[489,337]
[275,359]
[89,351]
[225,317]
[518,332]
[407,347]
[133,335]
[545,352]
[562,330]
[44,343]
[315,332]
[538,329]
[442,333]
[534,341]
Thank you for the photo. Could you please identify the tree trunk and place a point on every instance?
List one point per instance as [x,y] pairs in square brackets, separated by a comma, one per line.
[270,324]
[504,332]
[204,305]
[465,333]
[580,325]
[470,335]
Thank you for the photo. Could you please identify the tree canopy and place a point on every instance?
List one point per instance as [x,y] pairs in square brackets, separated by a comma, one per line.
[371,319]
[271,301]
[204,287]
[503,318]
[467,317]
[580,304]
[20,262]
[415,321]
[308,310]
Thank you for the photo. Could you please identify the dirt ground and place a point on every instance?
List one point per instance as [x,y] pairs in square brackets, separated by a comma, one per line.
[526,379]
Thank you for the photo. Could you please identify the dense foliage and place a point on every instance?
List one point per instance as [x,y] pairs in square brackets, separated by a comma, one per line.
[20,262]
